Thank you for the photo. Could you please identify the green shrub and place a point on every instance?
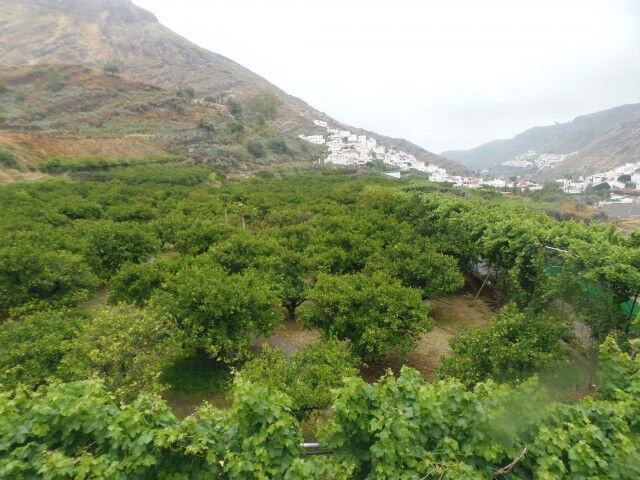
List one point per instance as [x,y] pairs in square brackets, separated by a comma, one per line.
[53,79]
[511,348]
[8,159]
[206,125]
[112,68]
[186,92]
[220,313]
[279,146]
[33,348]
[135,283]
[32,278]
[256,148]
[107,245]
[377,314]
[129,349]
[307,378]
[235,108]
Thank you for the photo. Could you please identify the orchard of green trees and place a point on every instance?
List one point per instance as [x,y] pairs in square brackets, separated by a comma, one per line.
[192,267]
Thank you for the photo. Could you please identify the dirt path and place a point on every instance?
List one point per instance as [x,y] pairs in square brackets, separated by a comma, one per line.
[290,337]
[454,316]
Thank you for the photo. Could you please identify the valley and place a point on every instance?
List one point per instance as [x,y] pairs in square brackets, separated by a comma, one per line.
[204,277]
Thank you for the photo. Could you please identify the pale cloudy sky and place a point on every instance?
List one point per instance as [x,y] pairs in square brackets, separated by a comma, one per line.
[444,75]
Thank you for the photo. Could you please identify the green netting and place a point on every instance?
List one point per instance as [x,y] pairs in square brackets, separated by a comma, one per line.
[594,289]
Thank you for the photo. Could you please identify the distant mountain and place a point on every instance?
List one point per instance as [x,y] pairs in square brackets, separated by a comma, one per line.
[588,144]
[94,32]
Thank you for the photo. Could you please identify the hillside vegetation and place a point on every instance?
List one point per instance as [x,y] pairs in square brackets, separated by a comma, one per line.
[196,267]
[73,111]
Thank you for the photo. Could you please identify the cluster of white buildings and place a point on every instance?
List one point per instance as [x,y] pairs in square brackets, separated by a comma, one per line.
[610,177]
[532,158]
[347,148]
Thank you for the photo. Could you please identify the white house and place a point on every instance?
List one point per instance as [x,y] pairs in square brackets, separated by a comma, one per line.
[497,182]
[345,157]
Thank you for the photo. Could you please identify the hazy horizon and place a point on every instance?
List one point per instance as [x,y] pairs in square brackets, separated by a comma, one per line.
[445,77]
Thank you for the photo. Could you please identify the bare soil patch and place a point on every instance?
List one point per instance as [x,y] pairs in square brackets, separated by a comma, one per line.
[290,338]
[453,316]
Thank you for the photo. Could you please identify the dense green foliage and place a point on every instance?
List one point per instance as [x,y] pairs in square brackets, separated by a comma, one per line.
[256,438]
[33,348]
[200,266]
[129,349]
[395,428]
[307,378]
[376,314]
[219,312]
[511,348]
[32,278]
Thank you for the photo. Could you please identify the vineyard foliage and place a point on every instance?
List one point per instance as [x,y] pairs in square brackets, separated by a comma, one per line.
[193,264]
[395,428]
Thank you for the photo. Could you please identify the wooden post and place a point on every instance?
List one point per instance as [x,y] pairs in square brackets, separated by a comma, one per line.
[481,287]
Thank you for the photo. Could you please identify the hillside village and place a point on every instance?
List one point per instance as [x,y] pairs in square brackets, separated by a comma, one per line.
[531,158]
[619,177]
[347,148]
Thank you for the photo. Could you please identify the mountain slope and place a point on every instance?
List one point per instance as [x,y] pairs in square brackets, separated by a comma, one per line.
[76,111]
[589,143]
[93,32]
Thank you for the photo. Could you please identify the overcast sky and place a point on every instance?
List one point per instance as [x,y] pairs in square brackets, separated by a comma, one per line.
[445,75]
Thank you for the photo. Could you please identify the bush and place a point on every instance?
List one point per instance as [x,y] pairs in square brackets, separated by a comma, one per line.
[32,278]
[377,314]
[77,207]
[186,92]
[279,146]
[53,79]
[307,378]
[112,68]
[135,283]
[220,313]
[256,148]
[134,212]
[235,108]
[129,349]
[197,237]
[33,348]
[206,125]
[8,159]
[421,267]
[264,106]
[511,348]
[78,430]
[107,245]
